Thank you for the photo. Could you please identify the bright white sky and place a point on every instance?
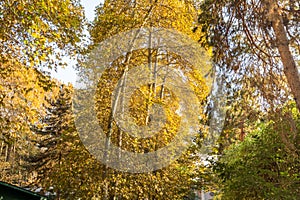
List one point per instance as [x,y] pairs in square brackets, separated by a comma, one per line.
[68,74]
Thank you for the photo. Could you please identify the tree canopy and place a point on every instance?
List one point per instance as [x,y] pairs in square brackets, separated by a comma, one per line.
[253,105]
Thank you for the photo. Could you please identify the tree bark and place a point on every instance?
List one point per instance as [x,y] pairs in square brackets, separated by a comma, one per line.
[289,64]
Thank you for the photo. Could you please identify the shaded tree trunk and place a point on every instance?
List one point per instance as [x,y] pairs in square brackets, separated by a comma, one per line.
[290,69]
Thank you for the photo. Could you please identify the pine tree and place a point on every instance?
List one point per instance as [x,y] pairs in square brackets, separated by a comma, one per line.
[55,140]
[19,108]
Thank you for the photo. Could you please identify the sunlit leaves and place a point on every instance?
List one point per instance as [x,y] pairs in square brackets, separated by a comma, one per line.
[22,99]
[34,30]
[174,181]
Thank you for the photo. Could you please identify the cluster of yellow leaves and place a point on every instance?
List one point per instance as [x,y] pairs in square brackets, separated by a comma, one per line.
[118,16]
[30,34]
[174,181]
[34,30]
[22,101]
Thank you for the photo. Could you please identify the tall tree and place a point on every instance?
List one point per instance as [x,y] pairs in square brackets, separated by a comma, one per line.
[20,86]
[258,41]
[112,18]
[59,160]
[279,17]
[256,48]
[33,35]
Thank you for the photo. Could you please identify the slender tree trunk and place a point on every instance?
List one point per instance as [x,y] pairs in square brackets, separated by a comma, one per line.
[14,151]
[150,94]
[290,69]
[150,77]
[123,91]
[110,130]
[120,136]
[7,153]
[1,150]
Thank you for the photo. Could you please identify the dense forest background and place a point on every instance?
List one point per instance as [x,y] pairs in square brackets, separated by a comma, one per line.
[254,49]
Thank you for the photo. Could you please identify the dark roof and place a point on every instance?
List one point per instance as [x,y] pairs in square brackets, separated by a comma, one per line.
[12,192]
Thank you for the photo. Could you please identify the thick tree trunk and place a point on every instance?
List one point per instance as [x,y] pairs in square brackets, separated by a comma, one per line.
[289,64]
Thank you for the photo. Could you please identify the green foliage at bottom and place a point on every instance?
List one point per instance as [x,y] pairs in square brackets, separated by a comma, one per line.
[266,165]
